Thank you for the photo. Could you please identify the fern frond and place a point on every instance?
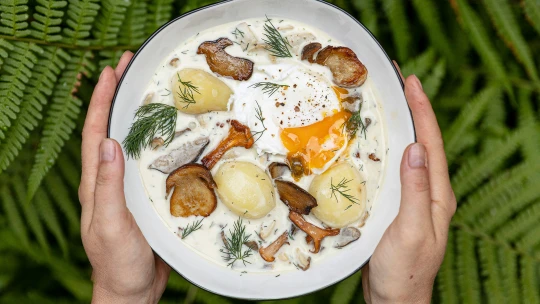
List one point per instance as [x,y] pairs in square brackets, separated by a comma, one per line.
[494,121]
[60,118]
[80,19]
[397,20]
[48,17]
[431,19]
[110,58]
[446,278]
[529,240]
[50,219]
[5,49]
[528,123]
[133,26]
[17,70]
[479,167]
[14,16]
[467,141]
[509,274]
[529,281]
[159,12]
[490,272]
[466,120]
[468,280]
[57,190]
[108,22]
[420,65]
[433,82]
[532,11]
[525,221]
[344,291]
[14,217]
[507,27]
[72,278]
[368,14]
[35,96]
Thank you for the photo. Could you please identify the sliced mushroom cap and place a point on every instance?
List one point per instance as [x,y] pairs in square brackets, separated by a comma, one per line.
[239,136]
[302,260]
[347,236]
[298,199]
[268,253]
[309,51]
[252,245]
[314,233]
[266,230]
[224,64]
[346,68]
[193,191]
[186,153]
[278,169]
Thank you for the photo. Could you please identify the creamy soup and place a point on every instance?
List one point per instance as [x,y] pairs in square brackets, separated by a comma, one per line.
[311,121]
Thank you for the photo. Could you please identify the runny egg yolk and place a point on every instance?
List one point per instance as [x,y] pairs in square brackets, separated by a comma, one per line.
[315,145]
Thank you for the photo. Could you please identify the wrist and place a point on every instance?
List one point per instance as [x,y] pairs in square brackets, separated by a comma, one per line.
[416,296]
[101,295]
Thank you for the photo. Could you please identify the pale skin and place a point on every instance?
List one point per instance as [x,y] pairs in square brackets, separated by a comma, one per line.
[126,270]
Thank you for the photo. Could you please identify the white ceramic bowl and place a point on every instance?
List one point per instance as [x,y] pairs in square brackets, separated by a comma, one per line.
[400,131]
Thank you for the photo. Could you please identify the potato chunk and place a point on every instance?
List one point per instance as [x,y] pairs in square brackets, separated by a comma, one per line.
[245,189]
[340,194]
[210,93]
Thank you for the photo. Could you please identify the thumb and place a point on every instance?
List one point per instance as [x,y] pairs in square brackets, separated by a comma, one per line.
[415,208]
[109,196]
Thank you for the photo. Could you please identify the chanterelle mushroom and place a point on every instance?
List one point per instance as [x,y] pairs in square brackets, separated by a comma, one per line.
[313,232]
[268,253]
[180,156]
[298,199]
[193,191]
[278,169]
[309,51]
[224,64]
[347,236]
[239,136]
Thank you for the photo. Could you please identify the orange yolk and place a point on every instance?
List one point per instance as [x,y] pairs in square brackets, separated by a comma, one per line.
[340,92]
[315,145]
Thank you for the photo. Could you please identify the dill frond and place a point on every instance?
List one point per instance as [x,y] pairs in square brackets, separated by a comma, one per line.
[237,33]
[268,87]
[355,124]
[233,247]
[277,45]
[192,228]
[186,92]
[342,188]
[258,115]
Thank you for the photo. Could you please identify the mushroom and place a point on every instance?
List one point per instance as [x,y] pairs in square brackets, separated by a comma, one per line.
[174,62]
[313,232]
[346,68]
[267,230]
[224,64]
[252,245]
[239,136]
[186,153]
[278,169]
[309,51]
[298,199]
[302,260]
[156,143]
[193,191]
[373,157]
[268,253]
[347,236]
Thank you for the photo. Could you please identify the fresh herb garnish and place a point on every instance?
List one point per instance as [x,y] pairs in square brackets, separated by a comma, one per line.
[237,33]
[342,188]
[150,120]
[185,92]
[276,44]
[355,123]
[268,87]
[258,115]
[191,228]
[233,248]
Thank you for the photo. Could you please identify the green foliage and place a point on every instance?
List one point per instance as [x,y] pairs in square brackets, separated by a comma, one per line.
[477,62]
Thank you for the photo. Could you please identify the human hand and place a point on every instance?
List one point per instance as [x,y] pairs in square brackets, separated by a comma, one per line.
[406,261]
[125,269]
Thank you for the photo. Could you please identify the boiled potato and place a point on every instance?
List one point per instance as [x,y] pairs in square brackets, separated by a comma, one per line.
[245,189]
[331,188]
[213,93]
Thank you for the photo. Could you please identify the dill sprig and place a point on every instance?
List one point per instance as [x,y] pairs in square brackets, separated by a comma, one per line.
[237,33]
[354,124]
[192,228]
[342,188]
[268,87]
[150,120]
[185,92]
[277,45]
[233,247]
[258,115]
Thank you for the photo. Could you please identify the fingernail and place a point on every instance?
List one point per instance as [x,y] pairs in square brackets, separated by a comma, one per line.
[102,72]
[418,82]
[107,150]
[417,156]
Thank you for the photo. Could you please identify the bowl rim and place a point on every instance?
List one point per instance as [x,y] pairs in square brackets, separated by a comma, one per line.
[222,2]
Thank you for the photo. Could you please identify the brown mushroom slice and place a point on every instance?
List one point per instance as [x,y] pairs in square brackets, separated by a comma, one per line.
[252,245]
[298,199]
[278,169]
[224,64]
[347,236]
[239,136]
[268,253]
[185,154]
[373,157]
[309,51]
[314,233]
[346,68]
[193,191]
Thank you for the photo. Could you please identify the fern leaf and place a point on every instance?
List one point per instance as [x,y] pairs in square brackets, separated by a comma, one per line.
[467,141]
[110,58]
[50,218]
[344,291]
[529,240]
[462,92]
[160,12]
[368,14]
[177,283]
[80,19]
[14,16]
[527,121]
[532,11]
[509,274]
[420,65]
[525,221]
[494,121]
[60,118]
[133,26]
[69,166]
[109,21]
[490,271]
[529,281]
[446,278]
[508,28]
[433,82]
[397,19]
[56,188]
[48,17]
[468,280]
[17,70]
[14,217]
[71,278]
[5,49]
[35,96]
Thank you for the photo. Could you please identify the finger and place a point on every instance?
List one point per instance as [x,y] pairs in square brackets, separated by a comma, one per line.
[122,64]
[429,134]
[399,70]
[94,131]
[163,271]
[109,199]
[365,283]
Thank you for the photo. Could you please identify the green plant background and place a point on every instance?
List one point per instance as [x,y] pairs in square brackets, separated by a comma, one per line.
[478,61]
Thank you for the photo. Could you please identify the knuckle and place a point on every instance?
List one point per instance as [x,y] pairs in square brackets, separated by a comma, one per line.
[421,183]
[104,178]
